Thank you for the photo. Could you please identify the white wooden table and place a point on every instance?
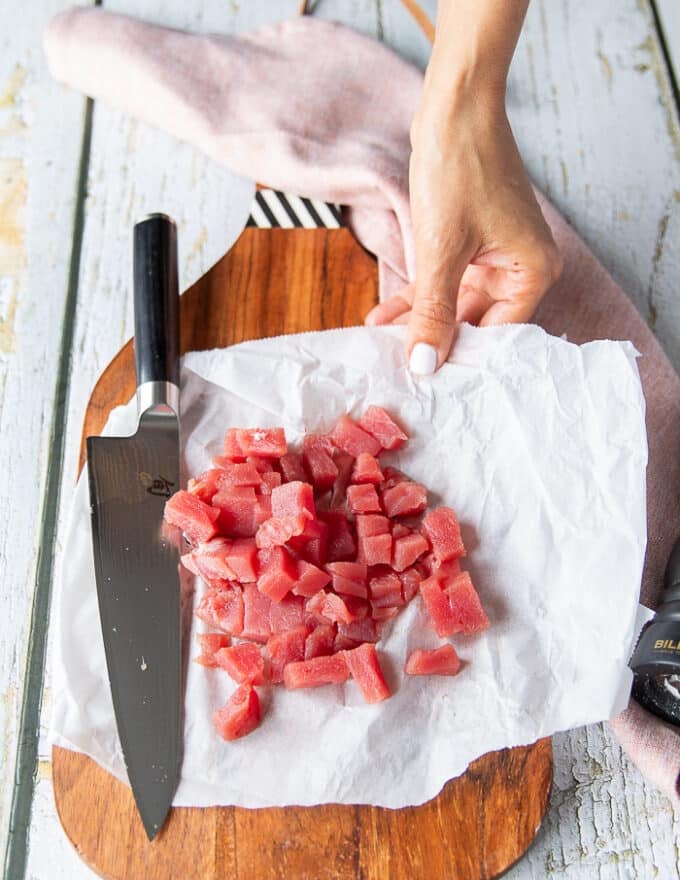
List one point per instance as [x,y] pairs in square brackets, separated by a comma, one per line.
[594,104]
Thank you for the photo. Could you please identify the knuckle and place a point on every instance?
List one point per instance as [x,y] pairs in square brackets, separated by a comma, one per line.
[431,310]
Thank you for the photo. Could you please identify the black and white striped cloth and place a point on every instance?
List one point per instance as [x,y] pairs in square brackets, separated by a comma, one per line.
[271,209]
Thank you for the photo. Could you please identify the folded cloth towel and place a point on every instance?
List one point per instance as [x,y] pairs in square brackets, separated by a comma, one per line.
[315,108]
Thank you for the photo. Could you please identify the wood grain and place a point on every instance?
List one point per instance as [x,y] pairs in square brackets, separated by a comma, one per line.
[273,282]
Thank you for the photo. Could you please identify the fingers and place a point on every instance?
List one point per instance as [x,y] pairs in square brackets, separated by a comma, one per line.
[387,312]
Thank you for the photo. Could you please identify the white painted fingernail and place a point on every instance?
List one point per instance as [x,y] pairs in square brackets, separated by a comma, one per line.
[423,360]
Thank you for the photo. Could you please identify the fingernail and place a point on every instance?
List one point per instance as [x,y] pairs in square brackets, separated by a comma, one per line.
[423,361]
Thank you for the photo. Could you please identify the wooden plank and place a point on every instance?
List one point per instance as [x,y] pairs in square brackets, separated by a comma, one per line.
[40,135]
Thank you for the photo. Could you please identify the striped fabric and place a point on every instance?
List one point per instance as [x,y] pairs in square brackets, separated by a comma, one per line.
[272,208]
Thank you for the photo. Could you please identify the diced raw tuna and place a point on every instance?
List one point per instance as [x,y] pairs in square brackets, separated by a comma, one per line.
[310,579]
[344,643]
[318,441]
[293,499]
[316,548]
[341,544]
[279,530]
[187,560]
[386,590]
[330,608]
[262,442]
[319,466]
[316,672]
[279,576]
[348,587]
[345,465]
[355,571]
[381,614]
[393,476]
[442,530]
[367,469]
[347,435]
[287,614]
[239,715]
[437,606]
[262,465]
[410,582]
[211,643]
[196,519]
[360,631]
[291,468]
[407,550]
[364,667]
[222,609]
[284,648]
[236,509]
[241,557]
[232,447]
[270,481]
[399,530]
[243,663]
[210,560]
[380,425]
[363,499]
[239,474]
[466,608]
[372,524]
[320,641]
[404,499]
[205,486]
[440,661]
[375,550]
[256,614]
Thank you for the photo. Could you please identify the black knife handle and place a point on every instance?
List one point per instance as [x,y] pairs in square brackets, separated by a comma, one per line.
[156,295]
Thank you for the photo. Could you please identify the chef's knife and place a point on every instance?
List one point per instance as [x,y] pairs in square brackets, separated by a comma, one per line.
[136,560]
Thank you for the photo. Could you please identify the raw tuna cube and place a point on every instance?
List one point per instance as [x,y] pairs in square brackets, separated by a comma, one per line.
[386,590]
[232,448]
[329,608]
[291,468]
[196,519]
[287,614]
[210,560]
[364,667]
[404,499]
[399,530]
[205,486]
[347,435]
[440,661]
[466,608]
[239,474]
[236,506]
[239,715]
[211,643]
[381,614]
[376,550]
[279,576]
[318,441]
[187,560]
[355,571]
[293,499]
[263,442]
[243,663]
[270,481]
[315,549]
[437,606]
[341,543]
[241,557]
[222,609]
[319,466]
[262,465]
[348,587]
[363,499]
[284,648]
[345,465]
[407,549]
[279,530]
[410,582]
[379,424]
[361,630]
[344,643]
[367,469]
[256,611]
[442,530]
[393,476]
[372,524]
[316,672]
[310,579]
[320,641]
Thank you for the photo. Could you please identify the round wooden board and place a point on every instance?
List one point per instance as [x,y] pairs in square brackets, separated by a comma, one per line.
[272,282]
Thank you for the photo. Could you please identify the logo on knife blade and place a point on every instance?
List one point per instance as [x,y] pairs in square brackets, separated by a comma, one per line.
[156,485]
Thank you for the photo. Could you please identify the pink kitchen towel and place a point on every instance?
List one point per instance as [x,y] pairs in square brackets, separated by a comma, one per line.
[315,108]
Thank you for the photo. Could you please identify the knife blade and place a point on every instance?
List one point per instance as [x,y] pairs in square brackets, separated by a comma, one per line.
[136,558]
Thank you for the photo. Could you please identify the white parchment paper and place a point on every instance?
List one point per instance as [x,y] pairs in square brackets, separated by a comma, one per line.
[540,447]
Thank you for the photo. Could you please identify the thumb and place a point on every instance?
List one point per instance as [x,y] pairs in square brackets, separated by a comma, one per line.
[432,324]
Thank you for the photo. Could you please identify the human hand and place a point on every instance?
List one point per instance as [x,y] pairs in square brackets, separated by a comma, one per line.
[484,253]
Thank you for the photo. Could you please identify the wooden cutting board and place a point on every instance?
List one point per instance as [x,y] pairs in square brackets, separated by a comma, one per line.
[272,282]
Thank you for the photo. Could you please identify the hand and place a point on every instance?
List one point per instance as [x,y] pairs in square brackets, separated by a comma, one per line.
[484,253]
